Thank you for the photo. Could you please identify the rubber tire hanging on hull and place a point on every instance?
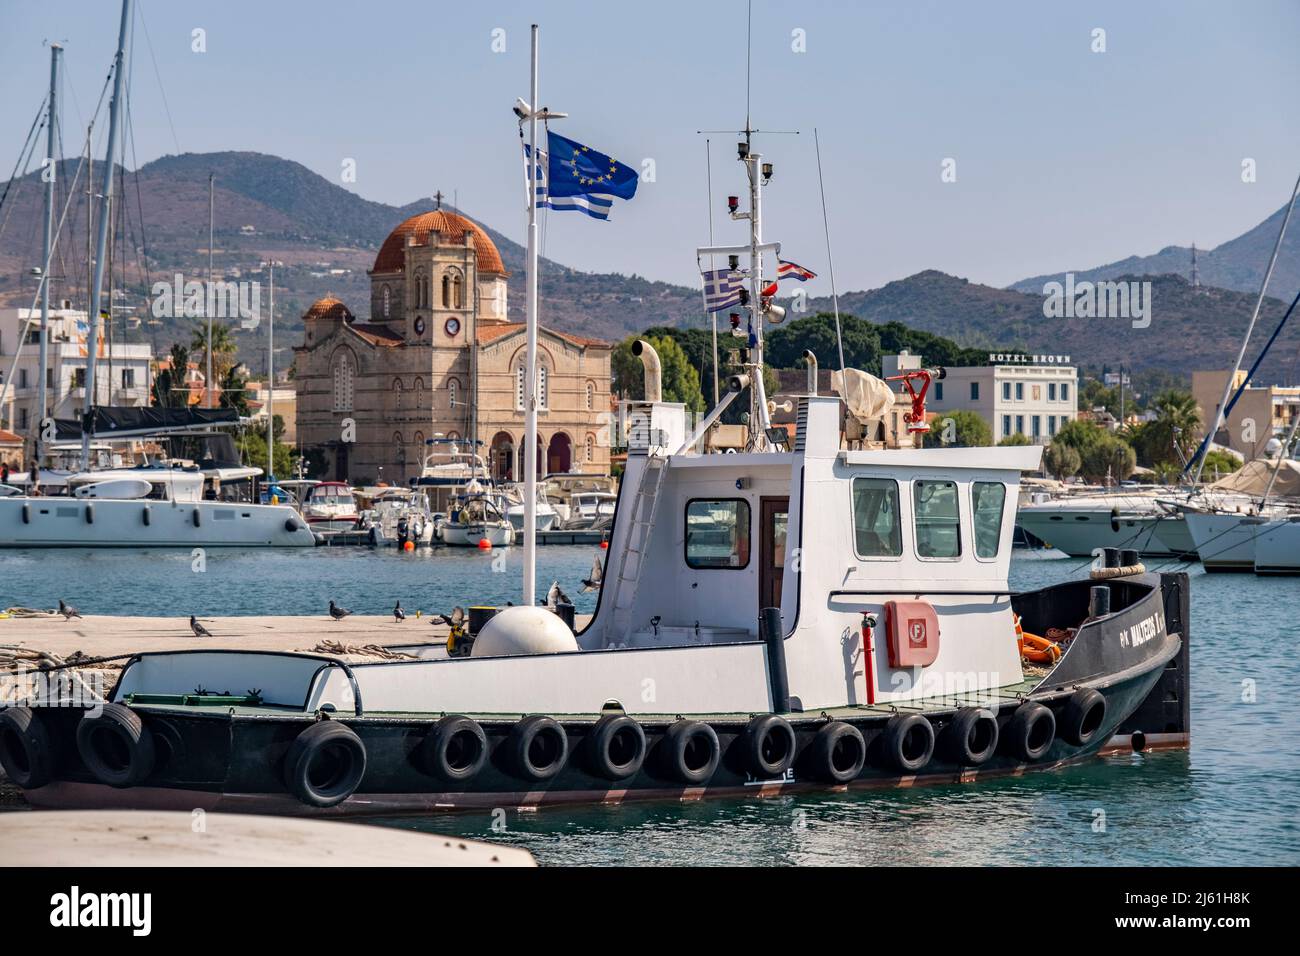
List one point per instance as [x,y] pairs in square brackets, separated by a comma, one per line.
[1032,731]
[330,746]
[769,745]
[616,747]
[837,752]
[909,742]
[683,745]
[972,737]
[455,749]
[115,745]
[1084,714]
[539,748]
[27,751]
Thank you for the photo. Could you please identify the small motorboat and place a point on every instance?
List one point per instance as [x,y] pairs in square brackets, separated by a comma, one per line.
[330,506]
[475,517]
[396,516]
[545,516]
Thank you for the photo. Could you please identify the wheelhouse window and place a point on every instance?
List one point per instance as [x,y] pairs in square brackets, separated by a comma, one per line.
[938,526]
[877,531]
[987,501]
[717,533]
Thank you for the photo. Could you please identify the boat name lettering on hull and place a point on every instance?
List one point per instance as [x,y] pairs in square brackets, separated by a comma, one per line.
[1143,631]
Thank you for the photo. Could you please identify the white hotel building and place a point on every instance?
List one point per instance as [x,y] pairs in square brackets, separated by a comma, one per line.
[1031,395]
[122,374]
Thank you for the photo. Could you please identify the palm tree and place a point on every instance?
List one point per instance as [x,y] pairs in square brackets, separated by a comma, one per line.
[223,349]
[1175,428]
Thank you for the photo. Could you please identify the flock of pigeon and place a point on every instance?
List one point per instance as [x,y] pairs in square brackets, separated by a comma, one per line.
[555,596]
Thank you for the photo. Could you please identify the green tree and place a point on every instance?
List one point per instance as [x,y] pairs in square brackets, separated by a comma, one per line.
[681,382]
[223,348]
[234,392]
[1176,427]
[1111,458]
[252,448]
[1080,435]
[958,429]
[1016,439]
[785,344]
[1061,460]
[1217,463]
[169,388]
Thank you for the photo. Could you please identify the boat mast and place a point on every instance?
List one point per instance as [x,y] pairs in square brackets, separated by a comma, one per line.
[42,398]
[208,296]
[105,220]
[530,373]
[270,377]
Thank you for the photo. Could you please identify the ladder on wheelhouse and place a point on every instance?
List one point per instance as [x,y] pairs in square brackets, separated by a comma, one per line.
[627,581]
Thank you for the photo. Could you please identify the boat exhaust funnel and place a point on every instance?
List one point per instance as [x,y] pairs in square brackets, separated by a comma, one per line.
[812,370]
[653,372]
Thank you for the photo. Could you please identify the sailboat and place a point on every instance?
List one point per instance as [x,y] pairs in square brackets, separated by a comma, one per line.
[845,622]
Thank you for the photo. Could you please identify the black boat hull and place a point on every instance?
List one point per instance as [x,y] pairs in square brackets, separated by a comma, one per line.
[226,761]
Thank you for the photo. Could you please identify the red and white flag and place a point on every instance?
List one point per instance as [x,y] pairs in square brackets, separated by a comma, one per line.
[792,270]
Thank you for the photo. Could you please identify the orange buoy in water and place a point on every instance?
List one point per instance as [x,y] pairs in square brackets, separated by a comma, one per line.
[408,546]
[484,544]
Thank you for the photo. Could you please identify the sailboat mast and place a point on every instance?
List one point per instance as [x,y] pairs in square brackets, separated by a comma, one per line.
[208,297]
[105,221]
[42,398]
[530,372]
[758,415]
[270,378]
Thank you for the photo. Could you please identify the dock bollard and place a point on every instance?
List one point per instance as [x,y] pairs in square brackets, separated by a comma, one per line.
[1129,557]
[565,612]
[1110,557]
[769,625]
[1099,601]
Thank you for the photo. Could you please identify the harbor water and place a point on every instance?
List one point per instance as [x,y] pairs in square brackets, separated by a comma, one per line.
[1230,800]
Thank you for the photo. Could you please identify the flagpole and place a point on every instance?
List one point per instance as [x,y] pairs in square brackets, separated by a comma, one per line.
[530,373]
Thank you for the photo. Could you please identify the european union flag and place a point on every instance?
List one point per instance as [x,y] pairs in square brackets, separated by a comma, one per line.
[572,176]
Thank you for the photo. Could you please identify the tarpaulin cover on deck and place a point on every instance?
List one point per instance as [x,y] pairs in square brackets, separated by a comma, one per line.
[123,421]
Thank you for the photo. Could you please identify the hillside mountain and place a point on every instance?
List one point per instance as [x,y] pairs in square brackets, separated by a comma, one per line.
[1238,264]
[1190,328]
[325,238]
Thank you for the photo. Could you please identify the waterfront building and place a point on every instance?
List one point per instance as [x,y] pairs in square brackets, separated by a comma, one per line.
[1262,413]
[438,358]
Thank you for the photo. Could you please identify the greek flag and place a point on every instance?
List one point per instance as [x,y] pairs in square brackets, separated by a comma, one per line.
[722,289]
[571,176]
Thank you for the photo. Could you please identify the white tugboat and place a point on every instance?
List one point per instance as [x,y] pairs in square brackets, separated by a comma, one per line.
[846,621]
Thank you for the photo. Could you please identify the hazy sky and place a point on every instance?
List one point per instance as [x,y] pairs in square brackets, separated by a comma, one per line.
[1065,158]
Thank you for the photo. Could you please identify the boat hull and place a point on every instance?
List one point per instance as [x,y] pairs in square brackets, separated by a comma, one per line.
[1277,549]
[1225,543]
[219,758]
[1081,533]
[469,535]
[109,523]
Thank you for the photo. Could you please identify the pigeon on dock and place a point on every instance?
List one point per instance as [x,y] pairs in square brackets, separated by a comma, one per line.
[555,596]
[398,614]
[198,629]
[592,582]
[336,612]
[68,611]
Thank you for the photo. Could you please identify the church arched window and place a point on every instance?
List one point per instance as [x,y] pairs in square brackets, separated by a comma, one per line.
[543,396]
[387,301]
[458,290]
[446,291]
[397,394]
[591,396]
[453,392]
[519,389]
[344,374]
[591,447]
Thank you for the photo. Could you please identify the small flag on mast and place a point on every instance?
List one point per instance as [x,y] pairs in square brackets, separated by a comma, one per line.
[792,270]
[574,177]
[721,289]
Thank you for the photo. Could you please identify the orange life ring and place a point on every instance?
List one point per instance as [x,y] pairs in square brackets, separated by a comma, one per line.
[1035,649]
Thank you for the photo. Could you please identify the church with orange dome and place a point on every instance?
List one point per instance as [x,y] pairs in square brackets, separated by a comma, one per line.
[438,358]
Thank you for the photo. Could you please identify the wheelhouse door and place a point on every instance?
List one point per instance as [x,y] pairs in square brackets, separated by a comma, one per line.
[773,515]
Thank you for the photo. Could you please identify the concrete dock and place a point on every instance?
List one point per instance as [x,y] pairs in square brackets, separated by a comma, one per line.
[146,838]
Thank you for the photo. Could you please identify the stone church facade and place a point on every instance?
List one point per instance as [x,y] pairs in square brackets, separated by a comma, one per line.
[438,359]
